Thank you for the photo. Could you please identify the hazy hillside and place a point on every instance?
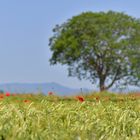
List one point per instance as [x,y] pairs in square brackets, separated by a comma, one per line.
[40,87]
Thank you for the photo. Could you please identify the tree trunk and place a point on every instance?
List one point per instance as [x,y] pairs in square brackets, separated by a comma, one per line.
[103,88]
[102,85]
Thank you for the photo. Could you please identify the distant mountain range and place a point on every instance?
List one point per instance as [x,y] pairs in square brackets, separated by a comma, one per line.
[41,87]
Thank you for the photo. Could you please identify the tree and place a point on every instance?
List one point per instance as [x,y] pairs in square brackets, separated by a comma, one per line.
[101,47]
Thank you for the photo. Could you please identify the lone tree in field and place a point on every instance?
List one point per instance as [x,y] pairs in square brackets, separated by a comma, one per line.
[102,47]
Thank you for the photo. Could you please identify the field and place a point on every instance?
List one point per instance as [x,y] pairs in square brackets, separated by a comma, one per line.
[90,117]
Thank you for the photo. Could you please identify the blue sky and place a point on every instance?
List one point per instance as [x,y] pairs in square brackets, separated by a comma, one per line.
[25,28]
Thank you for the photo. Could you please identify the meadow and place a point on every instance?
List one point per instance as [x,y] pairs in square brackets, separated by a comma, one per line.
[90,117]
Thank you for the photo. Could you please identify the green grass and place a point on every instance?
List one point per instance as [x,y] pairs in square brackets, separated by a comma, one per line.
[54,118]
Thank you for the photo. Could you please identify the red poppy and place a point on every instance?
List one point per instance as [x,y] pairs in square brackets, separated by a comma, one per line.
[26,101]
[97,98]
[1,96]
[81,99]
[50,93]
[7,93]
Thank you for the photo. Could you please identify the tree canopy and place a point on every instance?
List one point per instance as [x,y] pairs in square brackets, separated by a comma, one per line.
[102,47]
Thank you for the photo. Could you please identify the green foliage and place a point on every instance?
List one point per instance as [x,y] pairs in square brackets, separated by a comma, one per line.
[103,47]
[42,119]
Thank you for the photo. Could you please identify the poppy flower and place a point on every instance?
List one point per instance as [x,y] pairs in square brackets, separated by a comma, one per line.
[81,99]
[1,96]
[26,101]
[7,93]
[97,98]
[50,93]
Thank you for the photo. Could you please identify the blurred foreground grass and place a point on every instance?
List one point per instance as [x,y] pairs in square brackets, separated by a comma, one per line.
[38,117]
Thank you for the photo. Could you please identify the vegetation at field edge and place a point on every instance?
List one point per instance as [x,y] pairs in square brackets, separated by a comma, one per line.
[92,117]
